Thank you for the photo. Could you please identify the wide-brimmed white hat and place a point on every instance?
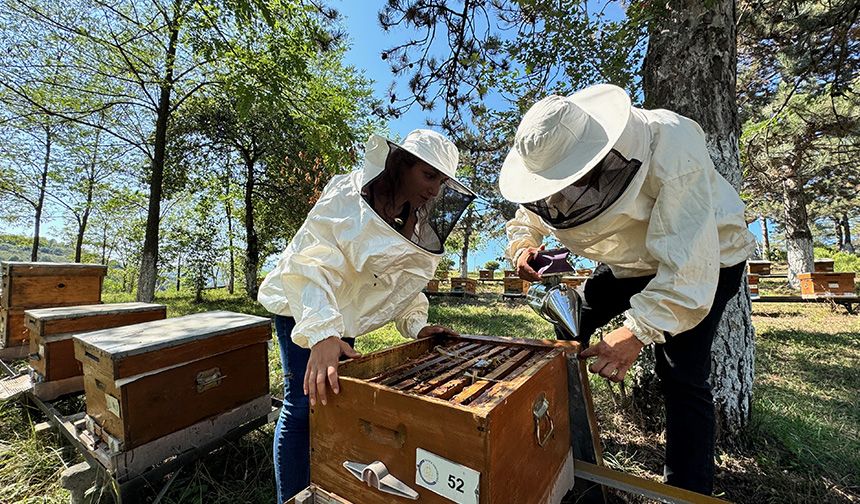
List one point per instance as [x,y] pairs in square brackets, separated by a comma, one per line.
[429,146]
[560,139]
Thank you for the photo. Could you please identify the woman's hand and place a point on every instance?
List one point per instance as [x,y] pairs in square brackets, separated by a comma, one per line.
[322,365]
[525,271]
[430,330]
[615,354]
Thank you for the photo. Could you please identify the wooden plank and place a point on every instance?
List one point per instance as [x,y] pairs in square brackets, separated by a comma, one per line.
[584,432]
[641,486]
[368,422]
[52,351]
[53,290]
[132,463]
[316,495]
[448,389]
[375,363]
[48,391]
[168,333]
[13,329]
[169,401]
[447,363]
[496,393]
[11,388]
[60,319]
[521,470]
[479,386]
[21,268]
[458,347]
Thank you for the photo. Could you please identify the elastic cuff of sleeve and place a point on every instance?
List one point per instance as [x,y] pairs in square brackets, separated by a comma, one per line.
[516,257]
[415,327]
[313,340]
[643,333]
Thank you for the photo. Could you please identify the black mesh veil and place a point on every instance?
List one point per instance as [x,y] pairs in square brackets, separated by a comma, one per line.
[589,196]
[434,220]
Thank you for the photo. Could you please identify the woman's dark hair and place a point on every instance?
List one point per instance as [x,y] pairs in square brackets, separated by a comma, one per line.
[386,185]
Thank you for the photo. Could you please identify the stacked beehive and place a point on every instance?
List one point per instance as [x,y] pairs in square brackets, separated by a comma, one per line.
[42,285]
[464,285]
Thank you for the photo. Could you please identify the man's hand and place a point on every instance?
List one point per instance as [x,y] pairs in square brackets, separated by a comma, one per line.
[615,354]
[525,271]
[322,365]
[430,330]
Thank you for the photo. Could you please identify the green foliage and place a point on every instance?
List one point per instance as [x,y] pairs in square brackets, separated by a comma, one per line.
[492,265]
[842,261]
[17,248]
[445,264]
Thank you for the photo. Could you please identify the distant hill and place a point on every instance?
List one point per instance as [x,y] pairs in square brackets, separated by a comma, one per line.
[18,247]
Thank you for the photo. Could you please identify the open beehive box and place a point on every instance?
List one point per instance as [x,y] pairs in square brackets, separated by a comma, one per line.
[468,419]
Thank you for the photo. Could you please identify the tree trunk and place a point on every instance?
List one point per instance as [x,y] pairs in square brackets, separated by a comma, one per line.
[104,244]
[43,183]
[178,272]
[252,251]
[690,67]
[467,238]
[798,237]
[837,225]
[91,182]
[82,224]
[846,234]
[765,238]
[149,255]
[232,273]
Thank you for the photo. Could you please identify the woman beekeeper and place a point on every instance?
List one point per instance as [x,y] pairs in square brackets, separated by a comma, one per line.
[636,190]
[366,250]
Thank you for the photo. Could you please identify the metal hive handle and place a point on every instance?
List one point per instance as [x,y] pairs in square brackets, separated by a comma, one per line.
[540,410]
[376,476]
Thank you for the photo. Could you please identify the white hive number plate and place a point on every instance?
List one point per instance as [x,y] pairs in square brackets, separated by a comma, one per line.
[453,481]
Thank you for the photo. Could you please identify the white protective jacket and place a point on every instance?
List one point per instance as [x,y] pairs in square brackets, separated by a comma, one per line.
[347,272]
[678,219]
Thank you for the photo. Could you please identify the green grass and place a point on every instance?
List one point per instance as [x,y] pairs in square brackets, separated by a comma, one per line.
[803,444]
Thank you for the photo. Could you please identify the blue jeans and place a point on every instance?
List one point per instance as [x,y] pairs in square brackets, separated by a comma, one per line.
[292,437]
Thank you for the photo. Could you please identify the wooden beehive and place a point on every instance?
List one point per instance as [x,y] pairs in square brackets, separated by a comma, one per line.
[40,285]
[823,266]
[432,285]
[488,416]
[316,495]
[586,272]
[813,285]
[52,351]
[148,380]
[515,286]
[510,273]
[464,285]
[753,283]
[759,267]
[486,274]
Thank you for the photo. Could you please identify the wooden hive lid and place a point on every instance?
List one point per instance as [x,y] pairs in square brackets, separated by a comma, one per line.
[71,312]
[758,261]
[126,341]
[15,268]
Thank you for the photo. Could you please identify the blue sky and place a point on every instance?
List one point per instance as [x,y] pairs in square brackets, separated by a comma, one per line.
[368,40]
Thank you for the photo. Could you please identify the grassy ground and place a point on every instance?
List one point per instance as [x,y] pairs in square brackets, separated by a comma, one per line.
[803,444]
